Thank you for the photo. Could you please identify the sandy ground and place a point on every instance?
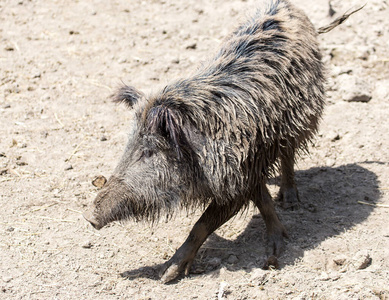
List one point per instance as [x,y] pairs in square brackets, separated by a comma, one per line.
[59,63]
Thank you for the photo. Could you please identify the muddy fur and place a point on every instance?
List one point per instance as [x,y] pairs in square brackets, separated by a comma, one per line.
[221,132]
[212,139]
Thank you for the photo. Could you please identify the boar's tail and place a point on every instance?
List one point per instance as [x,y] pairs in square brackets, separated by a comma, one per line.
[337,21]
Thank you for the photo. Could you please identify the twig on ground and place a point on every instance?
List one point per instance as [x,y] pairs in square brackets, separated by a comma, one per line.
[373,204]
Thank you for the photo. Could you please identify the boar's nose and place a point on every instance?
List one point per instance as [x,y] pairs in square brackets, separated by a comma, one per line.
[89,216]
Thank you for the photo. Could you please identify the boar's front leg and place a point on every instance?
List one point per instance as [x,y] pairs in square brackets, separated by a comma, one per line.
[275,230]
[213,217]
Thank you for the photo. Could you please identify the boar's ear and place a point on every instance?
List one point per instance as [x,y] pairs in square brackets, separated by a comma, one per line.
[167,122]
[128,95]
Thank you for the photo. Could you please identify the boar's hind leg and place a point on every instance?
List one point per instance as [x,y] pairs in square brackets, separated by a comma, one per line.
[288,194]
[213,217]
[275,230]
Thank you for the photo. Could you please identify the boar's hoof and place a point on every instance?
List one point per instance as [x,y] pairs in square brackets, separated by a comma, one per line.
[170,273]
[275,246]
[172,269]
[289,198]
[271,263]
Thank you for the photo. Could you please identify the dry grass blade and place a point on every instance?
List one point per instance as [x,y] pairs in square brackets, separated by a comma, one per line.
[94,233]
[6,179]
[55,219]
[73,210]
[38,209]
[75,151]
[58,120]
[95,83]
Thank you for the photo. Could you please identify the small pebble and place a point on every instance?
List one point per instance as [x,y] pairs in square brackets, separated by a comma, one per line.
[258,276]
[7,279]
[311,208]
[330,162]
[361,97]
[232,259]
[87,245]
[354,89]
[331,10]
[99,181]
[68,167]
[191,46]
[332,276]
[340,261]
[381,90]
[45,97]
[271,263]
[215,262]
[334,136]
[103,138]
[361,260]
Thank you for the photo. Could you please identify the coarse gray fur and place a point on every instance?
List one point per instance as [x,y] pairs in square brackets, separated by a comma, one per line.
[216,136]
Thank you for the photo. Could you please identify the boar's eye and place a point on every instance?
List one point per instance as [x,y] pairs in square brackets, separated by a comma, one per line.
[147,153]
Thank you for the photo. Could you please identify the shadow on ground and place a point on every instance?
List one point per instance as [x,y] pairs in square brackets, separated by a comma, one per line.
[330,205]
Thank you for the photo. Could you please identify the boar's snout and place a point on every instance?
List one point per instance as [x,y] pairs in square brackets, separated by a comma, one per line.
[89,216]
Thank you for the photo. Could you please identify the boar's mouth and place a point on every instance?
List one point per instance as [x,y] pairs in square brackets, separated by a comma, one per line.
[89,216]
[109,205]
[117,201]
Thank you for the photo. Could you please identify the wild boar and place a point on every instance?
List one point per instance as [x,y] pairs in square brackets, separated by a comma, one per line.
[214,138]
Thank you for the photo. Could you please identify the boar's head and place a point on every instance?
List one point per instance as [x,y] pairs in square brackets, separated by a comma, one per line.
[157,171]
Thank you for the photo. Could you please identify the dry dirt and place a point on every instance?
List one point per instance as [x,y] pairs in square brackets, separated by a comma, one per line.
[59,63]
